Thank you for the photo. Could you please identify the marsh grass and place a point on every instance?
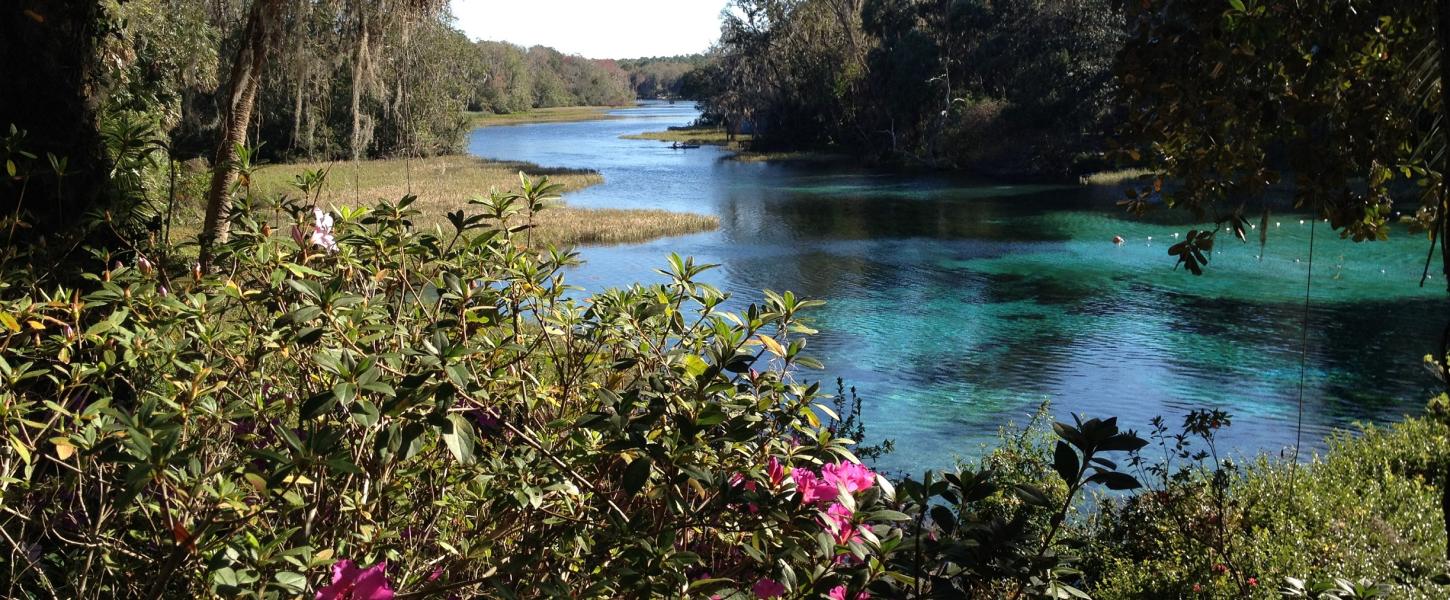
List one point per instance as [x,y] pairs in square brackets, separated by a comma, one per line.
[446,183]
[1115,177]
[740,146]
[714,136]
[562,114]
[567,226]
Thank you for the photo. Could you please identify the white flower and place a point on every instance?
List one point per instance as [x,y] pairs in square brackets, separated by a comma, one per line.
[322,230]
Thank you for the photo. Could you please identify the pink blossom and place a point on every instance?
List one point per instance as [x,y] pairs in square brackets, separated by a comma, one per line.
[322,230]
[811,488]
[839,523]
[351,583]
[850,475]
[839,593]
[739,479]
[775,471]
[768,588]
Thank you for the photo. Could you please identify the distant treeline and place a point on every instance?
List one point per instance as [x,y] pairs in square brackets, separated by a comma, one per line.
[664,76]
[507,78]
[344,79]
[1020,87]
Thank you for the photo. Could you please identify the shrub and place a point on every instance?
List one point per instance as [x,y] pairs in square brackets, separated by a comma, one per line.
[437,403]
[1364,514]
[351,405]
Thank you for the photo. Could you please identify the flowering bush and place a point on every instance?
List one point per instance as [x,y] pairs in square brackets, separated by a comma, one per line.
[365,409]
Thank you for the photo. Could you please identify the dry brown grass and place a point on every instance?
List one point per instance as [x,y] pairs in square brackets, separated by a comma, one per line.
[1116,177]
[446,183]
[567,226]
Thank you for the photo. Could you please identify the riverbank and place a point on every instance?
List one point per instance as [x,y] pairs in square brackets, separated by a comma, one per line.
[445,183]
[561,114]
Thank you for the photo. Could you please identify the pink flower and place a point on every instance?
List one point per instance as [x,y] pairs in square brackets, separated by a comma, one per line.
[322,230]
[850,475]
[838,522]
[839,593]
[351,583]
[811,488]
[738,479]
[775,471]
[768,588]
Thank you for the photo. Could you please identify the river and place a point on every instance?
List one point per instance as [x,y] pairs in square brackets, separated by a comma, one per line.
[956,305]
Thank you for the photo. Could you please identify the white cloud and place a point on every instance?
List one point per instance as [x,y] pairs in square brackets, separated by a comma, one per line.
[596,28]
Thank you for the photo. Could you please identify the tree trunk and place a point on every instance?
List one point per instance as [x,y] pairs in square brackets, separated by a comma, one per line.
[246,77]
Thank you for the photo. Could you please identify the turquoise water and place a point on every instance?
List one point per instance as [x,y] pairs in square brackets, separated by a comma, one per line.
[956,305]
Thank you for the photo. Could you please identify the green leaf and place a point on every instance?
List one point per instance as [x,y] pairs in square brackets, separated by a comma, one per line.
[636,475]
[1115,481]
[888,515]
[1031,495]
[1064,460]
[458,435]
[291,581]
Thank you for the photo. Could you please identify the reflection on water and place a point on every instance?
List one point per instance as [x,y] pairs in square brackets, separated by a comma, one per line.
[955,305]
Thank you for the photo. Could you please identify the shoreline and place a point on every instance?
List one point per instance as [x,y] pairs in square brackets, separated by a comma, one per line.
[716,136]
[445,183]
[558,114]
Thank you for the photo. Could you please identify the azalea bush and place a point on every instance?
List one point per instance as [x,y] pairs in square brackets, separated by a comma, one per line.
[345,405]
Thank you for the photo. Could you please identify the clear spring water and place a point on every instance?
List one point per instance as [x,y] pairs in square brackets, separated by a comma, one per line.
[955,305]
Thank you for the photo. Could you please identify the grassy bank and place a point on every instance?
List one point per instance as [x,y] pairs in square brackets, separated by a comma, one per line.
[1115,177]
[716,136]
[562,114]
[445,183]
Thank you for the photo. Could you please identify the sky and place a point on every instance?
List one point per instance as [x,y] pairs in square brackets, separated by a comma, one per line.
[596,28]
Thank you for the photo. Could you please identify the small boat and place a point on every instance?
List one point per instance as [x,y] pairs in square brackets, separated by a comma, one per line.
[679,146]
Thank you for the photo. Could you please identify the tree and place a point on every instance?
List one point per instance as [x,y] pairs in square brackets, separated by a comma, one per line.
[48,63]
[366,22]
[246,77]
[1345,99]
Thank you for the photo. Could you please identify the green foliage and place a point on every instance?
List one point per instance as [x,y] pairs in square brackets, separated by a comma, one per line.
[662,77]
[426,399]
[347,390]
[1364,515]
[936,82]
[981,535]
[1229,98]
[510,79]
